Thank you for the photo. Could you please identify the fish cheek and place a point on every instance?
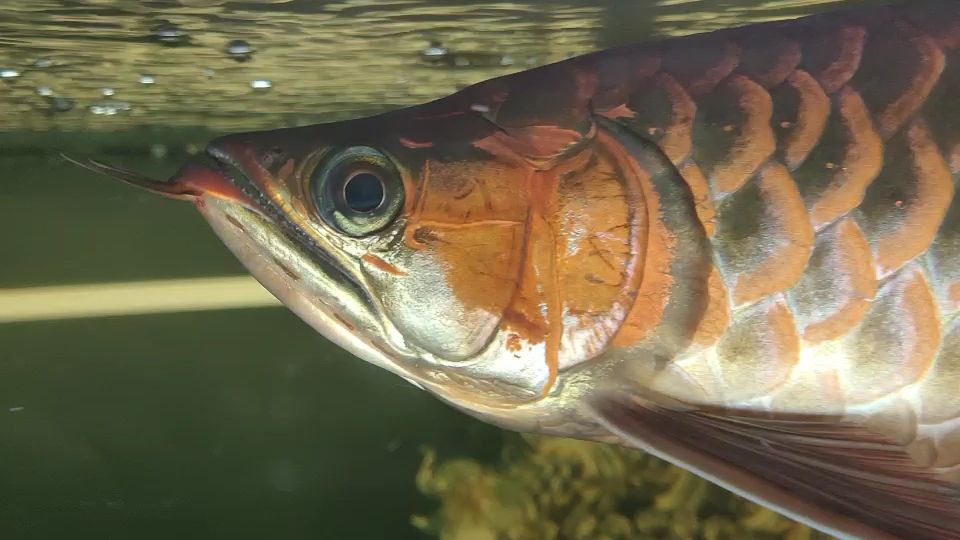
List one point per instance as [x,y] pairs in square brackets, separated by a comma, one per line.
[461,256]
[421,303]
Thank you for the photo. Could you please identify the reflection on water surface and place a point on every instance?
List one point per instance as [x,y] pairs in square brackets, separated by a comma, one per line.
[244,64]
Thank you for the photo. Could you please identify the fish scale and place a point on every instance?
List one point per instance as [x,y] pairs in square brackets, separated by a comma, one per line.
[795,138]
[832,217]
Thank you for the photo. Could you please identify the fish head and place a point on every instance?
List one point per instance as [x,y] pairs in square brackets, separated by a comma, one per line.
[468,245]
[399,238]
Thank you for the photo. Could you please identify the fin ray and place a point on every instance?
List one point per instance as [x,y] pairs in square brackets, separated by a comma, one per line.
[830,472]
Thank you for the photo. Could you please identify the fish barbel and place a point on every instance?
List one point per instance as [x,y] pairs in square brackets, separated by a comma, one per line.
[739,251]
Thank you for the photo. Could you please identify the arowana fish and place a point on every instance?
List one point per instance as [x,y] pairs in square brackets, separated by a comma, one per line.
[739,251]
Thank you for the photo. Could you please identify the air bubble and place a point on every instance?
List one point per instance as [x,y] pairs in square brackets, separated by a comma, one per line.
[240,50]
[435,51]
[109,107]
[170,34]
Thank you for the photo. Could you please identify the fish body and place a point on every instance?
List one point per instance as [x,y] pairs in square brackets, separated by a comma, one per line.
[739,251]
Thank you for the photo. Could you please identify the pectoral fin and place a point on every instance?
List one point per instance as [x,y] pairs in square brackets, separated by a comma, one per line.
[840,475]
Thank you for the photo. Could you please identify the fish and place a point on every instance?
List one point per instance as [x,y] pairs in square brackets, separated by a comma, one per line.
[738,251]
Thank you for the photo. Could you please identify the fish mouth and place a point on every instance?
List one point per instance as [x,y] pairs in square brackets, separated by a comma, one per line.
[228,167]
[221,176]
[322,286]
[195,179]
[321,283]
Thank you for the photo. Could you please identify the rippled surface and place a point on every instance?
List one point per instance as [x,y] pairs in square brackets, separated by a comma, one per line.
[166,63]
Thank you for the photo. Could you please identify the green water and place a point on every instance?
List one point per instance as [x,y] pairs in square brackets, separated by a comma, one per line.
[240,423]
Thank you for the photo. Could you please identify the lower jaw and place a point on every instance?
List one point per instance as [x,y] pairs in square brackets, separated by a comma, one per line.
[309,293]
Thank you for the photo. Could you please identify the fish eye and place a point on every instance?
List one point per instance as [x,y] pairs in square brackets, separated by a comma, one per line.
[363,192]
[357,191]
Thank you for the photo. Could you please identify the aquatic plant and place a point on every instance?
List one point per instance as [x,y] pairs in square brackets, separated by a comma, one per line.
[549,488]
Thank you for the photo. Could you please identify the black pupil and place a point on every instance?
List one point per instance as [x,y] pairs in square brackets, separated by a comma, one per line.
[363,192]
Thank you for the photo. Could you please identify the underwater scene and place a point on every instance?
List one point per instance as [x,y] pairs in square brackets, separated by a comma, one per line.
[149,388]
